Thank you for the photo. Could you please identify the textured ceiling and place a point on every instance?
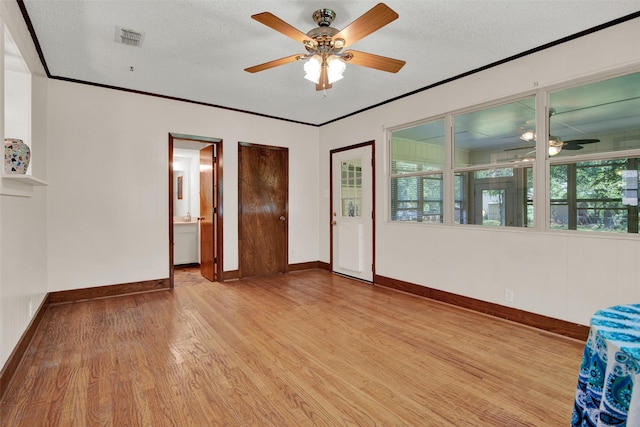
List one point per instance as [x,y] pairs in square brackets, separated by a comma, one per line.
[198,50]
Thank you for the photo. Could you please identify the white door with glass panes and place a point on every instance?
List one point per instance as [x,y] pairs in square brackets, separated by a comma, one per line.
[352,215]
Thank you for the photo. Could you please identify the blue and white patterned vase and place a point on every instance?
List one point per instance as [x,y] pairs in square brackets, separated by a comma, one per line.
[16,156]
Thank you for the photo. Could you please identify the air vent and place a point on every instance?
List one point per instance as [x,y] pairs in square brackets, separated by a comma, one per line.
[129,37]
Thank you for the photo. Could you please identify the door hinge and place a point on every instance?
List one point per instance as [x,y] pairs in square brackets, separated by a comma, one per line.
[215,260]
[215,210]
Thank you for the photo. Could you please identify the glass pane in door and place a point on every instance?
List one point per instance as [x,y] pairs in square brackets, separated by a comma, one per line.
[351,188]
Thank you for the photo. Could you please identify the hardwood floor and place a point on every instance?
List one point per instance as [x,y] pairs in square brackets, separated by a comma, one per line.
[305,348]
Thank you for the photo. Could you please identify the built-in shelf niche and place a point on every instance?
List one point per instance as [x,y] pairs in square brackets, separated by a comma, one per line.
[17,117]
[20,185]
[25,179]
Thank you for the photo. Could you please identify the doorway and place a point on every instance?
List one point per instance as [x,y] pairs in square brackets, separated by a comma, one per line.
[352,237]
[195,204]
[500,202]
[263,194]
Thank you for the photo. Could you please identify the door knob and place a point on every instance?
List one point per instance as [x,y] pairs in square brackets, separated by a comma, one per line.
[282,218]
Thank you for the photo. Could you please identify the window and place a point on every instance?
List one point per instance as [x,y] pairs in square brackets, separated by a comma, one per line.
[351,188]
[597,195]
[600,117]
[417,163]
[481,170]
[493,157]
[495,197]
[592,186]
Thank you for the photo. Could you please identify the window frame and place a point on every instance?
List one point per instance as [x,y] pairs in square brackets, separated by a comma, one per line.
[418,174]
[540,165]
[574,160]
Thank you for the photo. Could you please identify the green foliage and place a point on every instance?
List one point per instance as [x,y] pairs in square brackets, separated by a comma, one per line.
[597,189]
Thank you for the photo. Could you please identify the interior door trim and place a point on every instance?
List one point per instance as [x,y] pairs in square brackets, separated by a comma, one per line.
[217,142]
[373,201]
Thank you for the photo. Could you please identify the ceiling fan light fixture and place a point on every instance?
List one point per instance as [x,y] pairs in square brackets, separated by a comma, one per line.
[554,150]
[312,69]
[555,146]
[335,68]
[528,136]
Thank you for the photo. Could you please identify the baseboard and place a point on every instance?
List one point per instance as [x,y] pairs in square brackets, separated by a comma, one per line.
[190,265]
[12,363]
[561,327]
[235,274]
[324,265]
[74,295]
[231,275]
[308,266]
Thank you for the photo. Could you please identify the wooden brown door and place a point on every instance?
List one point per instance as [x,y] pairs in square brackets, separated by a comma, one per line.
[207,215]
[263,187]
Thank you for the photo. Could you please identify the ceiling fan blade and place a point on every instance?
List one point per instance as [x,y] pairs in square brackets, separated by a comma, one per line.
[370,60]
[524,147]
[323,81]
[572,147]
[274,63]
[376,18]
[581,141]
[272,21]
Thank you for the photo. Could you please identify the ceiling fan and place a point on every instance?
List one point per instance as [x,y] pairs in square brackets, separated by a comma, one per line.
[324,44]
[555,143]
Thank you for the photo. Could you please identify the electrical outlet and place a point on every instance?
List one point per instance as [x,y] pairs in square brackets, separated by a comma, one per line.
[508,295]
[30,309]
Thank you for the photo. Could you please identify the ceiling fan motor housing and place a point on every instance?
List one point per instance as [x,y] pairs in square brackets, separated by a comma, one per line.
[323,34]
[323,38]
[324,17]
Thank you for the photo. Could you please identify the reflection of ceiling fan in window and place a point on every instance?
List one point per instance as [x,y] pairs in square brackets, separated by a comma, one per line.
[555,143]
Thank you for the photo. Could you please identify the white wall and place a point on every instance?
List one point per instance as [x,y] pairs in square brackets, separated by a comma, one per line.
[108,194]
[23,280]
[564,275]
